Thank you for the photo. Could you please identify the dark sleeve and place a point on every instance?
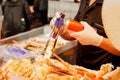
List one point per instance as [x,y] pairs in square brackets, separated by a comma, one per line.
[0,2]
[3,8]
[27,15]
[27,12]
[30,2]
[77,16]
[36,5]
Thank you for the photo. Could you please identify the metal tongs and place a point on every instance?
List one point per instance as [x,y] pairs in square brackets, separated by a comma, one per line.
[54,34]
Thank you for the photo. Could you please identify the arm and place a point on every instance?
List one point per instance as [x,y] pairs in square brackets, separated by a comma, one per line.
[107,45]
[89,36]
[27,11]
[27,14]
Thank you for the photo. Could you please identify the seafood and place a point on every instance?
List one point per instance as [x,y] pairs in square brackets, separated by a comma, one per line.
[50,69]
[35,45]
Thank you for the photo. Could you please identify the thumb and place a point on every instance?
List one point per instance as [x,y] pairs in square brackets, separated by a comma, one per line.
[74,34]
[85,24]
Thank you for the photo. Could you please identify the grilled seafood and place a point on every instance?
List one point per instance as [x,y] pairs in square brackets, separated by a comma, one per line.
[50,69]
[35,45]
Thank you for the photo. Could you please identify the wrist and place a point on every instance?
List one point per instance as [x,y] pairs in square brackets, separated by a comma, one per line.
[98,40]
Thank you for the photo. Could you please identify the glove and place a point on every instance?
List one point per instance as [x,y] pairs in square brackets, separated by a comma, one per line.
[57,23]
[88,36]
[53,20]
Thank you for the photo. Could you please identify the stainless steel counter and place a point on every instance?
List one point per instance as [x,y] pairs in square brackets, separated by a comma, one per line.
[67,52]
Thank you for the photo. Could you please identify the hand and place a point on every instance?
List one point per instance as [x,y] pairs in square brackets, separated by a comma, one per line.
[57,23]
[53,20]
[88,36]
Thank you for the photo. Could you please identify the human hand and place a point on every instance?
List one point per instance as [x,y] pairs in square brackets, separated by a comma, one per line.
[57,22]
[31,9]
[88,36]
[54,19]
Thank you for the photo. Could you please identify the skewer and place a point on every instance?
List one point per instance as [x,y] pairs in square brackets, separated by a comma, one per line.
[57,28]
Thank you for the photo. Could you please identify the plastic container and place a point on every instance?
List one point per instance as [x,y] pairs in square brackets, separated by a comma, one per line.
[74,25]
[18,53]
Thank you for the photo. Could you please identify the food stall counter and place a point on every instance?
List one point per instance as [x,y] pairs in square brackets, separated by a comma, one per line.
[66,52]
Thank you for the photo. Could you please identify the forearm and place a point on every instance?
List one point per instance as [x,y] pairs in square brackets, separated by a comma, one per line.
[108,46]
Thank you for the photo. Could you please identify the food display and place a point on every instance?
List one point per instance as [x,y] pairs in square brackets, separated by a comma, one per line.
[28,48]
[42,68]
[35,44]
[16,63]
[50,69]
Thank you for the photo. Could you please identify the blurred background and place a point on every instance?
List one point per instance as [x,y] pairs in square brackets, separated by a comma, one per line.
[70,7]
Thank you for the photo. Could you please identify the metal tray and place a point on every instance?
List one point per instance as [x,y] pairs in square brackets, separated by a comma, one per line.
[67,52]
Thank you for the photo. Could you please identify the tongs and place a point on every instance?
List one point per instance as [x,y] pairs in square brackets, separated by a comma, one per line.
[54,34]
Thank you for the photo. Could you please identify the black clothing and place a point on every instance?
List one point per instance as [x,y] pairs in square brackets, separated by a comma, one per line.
[91,56]
[0,2]
[36,15]
[44,17]
[30,2]
[36,5]
[44,11]
[13,13]
[40,15]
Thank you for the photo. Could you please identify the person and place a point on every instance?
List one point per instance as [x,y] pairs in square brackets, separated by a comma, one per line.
[111,23]
[89,37]
[17,17]
[44,11]
[1,18]
[94,48]
[39,11]
[36,15]
[30,2]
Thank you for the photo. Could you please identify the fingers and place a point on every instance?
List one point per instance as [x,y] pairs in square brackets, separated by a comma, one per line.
[58,15]
[88,27]
[85,24]
[75,34]
[52,22]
